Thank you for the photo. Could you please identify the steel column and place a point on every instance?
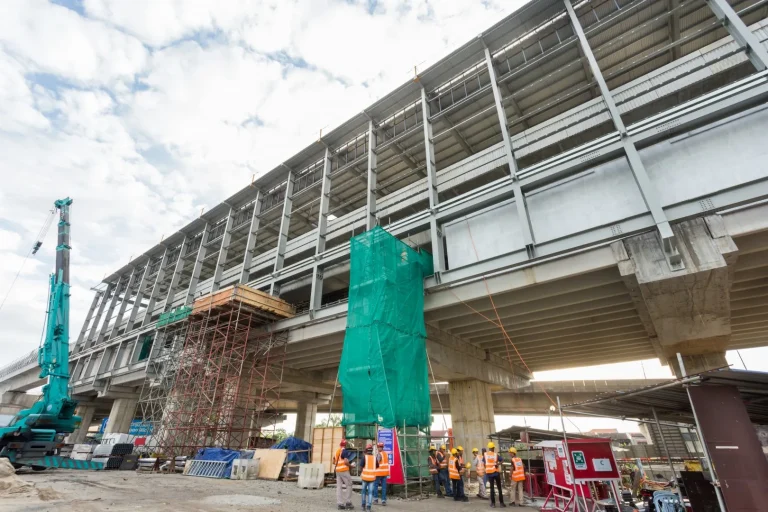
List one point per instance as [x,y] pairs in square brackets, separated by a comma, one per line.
[226,239]
[92,336]
[250,244]
[370,205]
[139,297]
[436,234]
[647,190]
[88,317]
[282,237]
[177,268]
[522,209]
[316,293]
[740,32]
[156,287]
[123,303]
[198,265]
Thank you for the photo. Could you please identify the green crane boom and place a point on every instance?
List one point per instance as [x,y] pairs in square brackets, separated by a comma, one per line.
[34,434]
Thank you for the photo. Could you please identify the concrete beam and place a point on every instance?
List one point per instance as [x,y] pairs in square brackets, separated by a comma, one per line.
[463,360]
[687,310]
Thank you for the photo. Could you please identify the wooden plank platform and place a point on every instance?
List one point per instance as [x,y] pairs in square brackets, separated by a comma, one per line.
[241,294]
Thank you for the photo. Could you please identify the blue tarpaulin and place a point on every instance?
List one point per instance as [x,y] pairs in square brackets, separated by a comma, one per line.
[222,454]
[294,444]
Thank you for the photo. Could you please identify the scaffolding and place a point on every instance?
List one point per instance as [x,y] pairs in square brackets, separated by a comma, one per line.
[227,382]
[214,377]
[162,365]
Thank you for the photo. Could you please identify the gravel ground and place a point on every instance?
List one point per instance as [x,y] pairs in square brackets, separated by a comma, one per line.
[83,491]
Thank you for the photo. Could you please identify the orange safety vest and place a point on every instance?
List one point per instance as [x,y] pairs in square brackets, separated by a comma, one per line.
[453,473]
[491,463]
[383,469]
[369,471]
[442,461]
[480,468]
[434,465]
[518,471]
[339,466]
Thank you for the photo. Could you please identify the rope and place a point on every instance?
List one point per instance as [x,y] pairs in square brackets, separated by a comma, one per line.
[39,241]
[507,339]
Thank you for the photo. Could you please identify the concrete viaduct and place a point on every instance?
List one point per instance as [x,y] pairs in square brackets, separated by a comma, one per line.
[590,180]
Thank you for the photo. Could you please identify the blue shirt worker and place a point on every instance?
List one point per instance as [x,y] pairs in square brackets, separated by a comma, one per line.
[382,458]
[368,475]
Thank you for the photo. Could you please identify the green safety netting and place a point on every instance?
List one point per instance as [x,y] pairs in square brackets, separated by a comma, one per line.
[383,371]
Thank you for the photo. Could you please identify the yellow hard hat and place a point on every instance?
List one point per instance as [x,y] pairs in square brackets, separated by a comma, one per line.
[442,447]
[432,447]
[491,445]
[454,451]
[460,448]
[475,450]
[512,449]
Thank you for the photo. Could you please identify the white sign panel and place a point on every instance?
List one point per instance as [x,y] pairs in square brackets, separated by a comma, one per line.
[602,464]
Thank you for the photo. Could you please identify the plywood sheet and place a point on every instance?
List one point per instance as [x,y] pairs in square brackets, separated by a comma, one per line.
[325,441]
[270,463]
[245,295]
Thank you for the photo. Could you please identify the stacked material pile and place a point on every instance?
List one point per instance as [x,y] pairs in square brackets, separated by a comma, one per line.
[82,451]
[111,455]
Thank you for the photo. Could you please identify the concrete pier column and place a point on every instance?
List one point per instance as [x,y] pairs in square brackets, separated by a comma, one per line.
[698,363]
[306,417]
[471,413]
[686,310]
[86,413]
[123,410]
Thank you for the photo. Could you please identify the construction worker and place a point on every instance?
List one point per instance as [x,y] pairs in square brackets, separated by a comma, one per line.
[442,460]
[382,473]
[369,467]
[456,473]
[479,466]
[492,462]
[517,478]
[460,455]
[434,469]
[343,479]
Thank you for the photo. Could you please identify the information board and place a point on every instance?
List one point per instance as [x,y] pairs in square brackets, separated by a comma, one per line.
[593,460]
[388,437]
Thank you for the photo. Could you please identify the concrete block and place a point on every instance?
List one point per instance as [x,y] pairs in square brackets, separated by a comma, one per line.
[311,476]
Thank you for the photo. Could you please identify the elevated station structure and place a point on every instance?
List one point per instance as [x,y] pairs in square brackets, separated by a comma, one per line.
[588,177]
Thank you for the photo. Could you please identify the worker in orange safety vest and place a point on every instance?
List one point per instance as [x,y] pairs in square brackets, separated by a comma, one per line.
[456,473]
[442,460]
[517,479]
[368,475]
[382,473]
[434,469]
[492,462]
[343,478]
[477,463]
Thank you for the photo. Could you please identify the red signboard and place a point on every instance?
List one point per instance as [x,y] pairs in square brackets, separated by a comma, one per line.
[592,460]
[388,436]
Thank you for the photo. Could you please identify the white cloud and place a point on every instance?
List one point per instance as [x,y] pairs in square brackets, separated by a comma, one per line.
[54,39]
[17,104]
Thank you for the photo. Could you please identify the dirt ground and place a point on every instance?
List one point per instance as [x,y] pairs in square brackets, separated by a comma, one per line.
[68,490]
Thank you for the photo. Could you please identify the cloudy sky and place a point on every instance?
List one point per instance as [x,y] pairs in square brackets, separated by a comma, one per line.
[146,111]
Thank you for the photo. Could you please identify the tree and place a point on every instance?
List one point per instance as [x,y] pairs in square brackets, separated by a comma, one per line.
[333,420]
